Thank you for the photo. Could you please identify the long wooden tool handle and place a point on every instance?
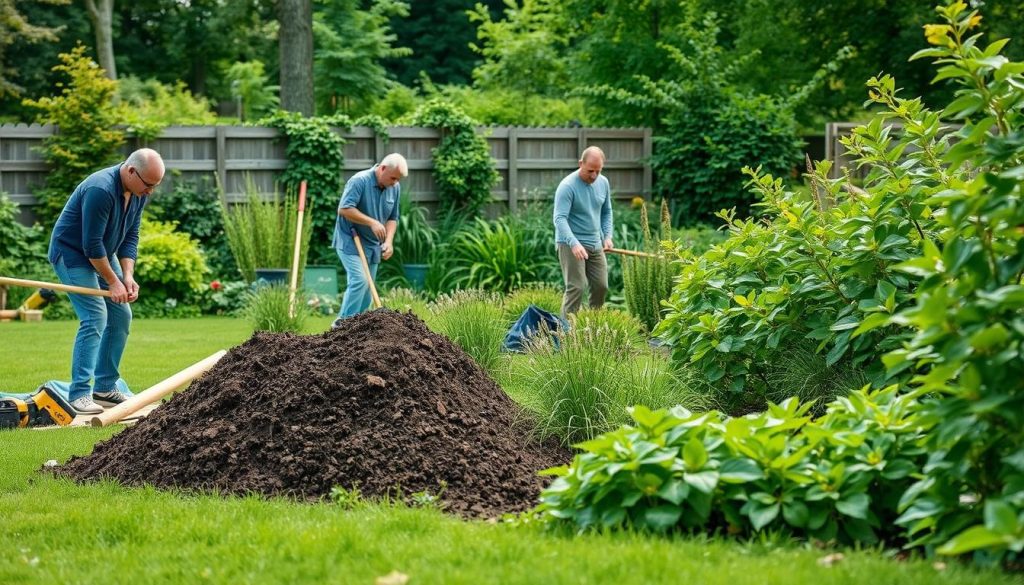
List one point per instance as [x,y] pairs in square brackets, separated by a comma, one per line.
[366,270]
[632,253]
[96,292]
[298,246]
[156,391]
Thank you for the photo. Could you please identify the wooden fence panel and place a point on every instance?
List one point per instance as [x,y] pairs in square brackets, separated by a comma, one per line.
[530,161]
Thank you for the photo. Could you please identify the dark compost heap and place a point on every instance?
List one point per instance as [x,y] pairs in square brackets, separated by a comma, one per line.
[381,404]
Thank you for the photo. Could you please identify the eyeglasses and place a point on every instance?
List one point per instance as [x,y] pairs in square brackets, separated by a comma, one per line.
[144,181]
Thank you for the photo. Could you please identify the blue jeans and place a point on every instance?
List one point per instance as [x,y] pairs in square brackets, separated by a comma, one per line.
[102,333]
[357,294]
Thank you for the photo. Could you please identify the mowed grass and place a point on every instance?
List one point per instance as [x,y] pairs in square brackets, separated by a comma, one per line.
[55,531]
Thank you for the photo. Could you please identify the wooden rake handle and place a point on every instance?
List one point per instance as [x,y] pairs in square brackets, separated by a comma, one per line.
[96,292]
[366,270]
[632,253]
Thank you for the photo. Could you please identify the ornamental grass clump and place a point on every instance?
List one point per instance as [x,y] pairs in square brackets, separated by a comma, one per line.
[268,309]
[473,319]
[544,295]
[406,299]
[647,281]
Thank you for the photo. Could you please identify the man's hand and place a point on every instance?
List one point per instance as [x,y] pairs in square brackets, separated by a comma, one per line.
[386,250]
[580,252]
[118,292]
[132,287]
[608,244]
[379,230]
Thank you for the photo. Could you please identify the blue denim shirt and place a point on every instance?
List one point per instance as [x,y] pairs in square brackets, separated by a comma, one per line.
[363,193]
[95,223]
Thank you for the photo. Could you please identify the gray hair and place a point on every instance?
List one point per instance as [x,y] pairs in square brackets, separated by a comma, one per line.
[396,161]
[592,151]
[143,158]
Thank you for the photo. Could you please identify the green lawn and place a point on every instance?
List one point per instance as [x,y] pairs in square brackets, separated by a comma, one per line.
[56,531]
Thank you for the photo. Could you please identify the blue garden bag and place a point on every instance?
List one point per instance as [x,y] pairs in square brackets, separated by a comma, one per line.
[529,323]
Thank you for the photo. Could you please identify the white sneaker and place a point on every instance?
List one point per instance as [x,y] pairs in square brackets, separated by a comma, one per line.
[85,405]
[112,398]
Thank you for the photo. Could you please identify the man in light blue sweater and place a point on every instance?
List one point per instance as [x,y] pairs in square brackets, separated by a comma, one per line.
[583,231]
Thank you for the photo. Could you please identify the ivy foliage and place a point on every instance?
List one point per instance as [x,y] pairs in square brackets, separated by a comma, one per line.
[316,154]
[87,140]
[463,168]
[936,458]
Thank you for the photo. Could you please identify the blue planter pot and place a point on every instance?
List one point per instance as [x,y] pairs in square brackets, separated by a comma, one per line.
[266,276]
[416,274]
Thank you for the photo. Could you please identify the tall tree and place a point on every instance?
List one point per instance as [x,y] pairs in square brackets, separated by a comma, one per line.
[350,46]
[295,42]
[101,13]
[14,25]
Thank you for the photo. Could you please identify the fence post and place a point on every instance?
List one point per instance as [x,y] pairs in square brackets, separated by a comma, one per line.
[222,155]
[648,150]
[513,167]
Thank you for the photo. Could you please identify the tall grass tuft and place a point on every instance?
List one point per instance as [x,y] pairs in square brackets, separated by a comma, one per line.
[406,299]
[473,319]
[648,281]
[624,331]
[267,310]
[544,295]
[261,230]
[582,385]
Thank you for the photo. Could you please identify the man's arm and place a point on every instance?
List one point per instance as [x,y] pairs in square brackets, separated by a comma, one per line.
[128,272]
[118,292]
[606,218]
[563,205]
[355,216]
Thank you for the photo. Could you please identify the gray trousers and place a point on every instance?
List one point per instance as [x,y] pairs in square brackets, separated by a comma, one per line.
[579,274]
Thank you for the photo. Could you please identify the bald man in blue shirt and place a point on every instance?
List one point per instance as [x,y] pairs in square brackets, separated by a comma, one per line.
[94,245]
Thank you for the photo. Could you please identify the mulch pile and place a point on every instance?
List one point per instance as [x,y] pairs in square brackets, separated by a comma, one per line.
[381,404]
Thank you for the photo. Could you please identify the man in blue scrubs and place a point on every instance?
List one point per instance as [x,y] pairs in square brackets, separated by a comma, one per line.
[369,204]
[94,245]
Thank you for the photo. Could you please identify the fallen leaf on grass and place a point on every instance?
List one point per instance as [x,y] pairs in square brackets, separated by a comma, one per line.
[829,560]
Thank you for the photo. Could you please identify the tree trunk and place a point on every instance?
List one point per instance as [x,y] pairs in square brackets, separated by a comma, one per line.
[101,13]
[295,42]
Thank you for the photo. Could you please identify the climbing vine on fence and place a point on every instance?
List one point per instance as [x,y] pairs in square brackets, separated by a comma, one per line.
[463,167]
[316,155]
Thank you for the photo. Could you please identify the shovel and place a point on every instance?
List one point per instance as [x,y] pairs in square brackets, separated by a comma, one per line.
[366,270]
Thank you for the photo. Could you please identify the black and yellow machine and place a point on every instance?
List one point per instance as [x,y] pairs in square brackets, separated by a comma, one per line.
[44,408]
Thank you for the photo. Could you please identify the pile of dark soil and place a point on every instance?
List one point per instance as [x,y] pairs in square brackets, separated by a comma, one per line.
[381,404]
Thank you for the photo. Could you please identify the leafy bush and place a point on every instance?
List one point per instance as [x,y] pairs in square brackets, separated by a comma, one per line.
[196,206]
[19,245]
[261,231]
[463,168]
[226,298]
[250,83]
[269,308]
[473,320]
[492,255]
[88,137]
[147,106]
[415,237]
[836,478]
[171,264]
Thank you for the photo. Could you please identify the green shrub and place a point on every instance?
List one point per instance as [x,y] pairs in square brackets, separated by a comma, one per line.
[88,139]
[269,308]
[20,246]
[463,168]
[147,106]
[196,206]
[836,478]
[492,255]
[261,231]
[170,264]
[473,320]
[544,295]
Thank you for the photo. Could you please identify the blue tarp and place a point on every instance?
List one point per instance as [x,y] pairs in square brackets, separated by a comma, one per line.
[62,388]
[529,323]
